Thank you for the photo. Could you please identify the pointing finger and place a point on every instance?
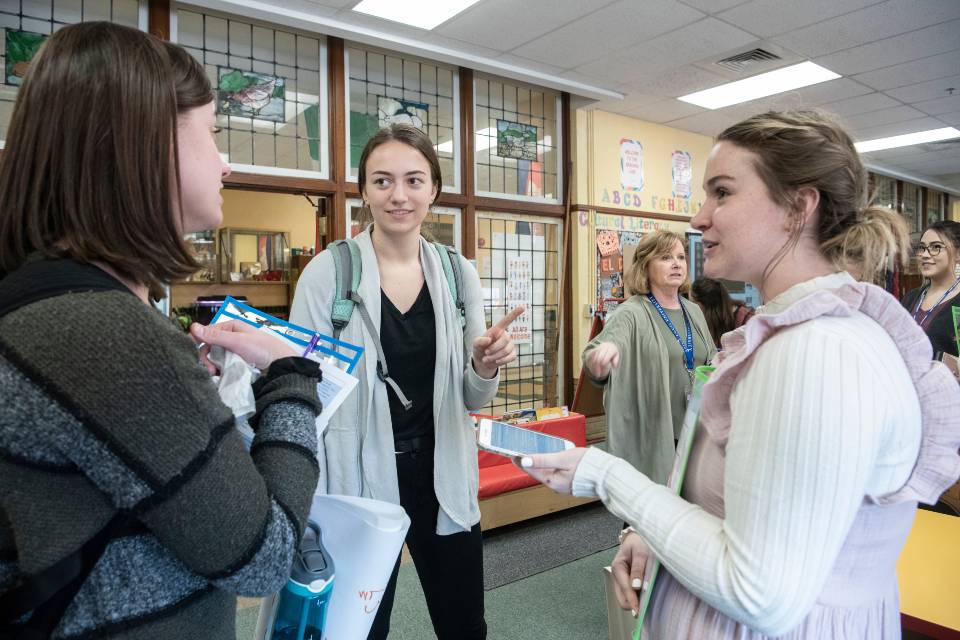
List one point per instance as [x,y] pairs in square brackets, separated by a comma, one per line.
[505,321]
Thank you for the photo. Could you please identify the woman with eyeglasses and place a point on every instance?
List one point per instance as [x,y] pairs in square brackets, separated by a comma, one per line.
[931,304]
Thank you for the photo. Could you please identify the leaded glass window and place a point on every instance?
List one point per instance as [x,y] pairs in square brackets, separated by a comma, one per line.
[383,88]
[884,191]
[936,201]
[271,92]
[518,259]
[517,142]
[25,24]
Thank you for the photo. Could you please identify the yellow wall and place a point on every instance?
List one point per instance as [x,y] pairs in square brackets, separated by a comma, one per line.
[956,209]
[271,212]
[597,183]
[659,143]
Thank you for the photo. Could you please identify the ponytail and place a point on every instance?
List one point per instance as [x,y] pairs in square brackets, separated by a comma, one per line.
[871,245]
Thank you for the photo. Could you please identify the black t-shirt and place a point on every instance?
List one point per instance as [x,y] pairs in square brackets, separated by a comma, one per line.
[409,343]
[940,326]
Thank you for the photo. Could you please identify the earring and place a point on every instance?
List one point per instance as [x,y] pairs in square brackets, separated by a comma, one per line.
[956,270]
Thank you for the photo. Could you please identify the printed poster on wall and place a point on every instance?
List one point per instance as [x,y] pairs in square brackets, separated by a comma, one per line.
[682,174]
[631,165]
[397,111]
[520,291]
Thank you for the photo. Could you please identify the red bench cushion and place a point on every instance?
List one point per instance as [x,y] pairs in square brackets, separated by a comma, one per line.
[499,475]
[501,479]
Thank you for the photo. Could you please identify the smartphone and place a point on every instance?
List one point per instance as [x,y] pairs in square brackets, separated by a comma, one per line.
[509,440]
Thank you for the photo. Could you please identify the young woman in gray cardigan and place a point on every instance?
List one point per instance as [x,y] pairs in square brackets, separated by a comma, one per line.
[423,457]
[641,357]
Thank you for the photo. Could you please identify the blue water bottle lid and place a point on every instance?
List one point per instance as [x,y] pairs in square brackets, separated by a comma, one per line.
[312,567]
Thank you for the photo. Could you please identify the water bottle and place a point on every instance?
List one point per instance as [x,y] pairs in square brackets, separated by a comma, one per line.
[302,607]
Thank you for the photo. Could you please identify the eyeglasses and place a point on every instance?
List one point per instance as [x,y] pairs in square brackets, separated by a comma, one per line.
[934,249]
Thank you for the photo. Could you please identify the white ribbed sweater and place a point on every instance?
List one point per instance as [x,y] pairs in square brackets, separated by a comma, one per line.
[825,415]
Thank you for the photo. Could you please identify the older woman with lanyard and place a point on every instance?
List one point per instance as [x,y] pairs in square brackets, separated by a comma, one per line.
[644,361]
[939,256]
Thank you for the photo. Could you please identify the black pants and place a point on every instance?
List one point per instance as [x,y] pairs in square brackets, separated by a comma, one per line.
[450,567]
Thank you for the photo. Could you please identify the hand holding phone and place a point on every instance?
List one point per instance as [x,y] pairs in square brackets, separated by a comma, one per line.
[513,441]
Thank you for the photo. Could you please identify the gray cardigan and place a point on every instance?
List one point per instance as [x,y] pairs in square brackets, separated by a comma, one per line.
[636,395]
[356,454]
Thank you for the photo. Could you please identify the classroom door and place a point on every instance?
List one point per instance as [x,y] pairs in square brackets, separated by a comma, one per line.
[519,260]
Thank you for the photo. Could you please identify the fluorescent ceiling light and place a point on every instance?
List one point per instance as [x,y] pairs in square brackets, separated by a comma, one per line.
[907,139]
[761,86]
[425,14]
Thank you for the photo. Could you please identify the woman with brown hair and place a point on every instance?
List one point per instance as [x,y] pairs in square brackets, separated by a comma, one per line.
[824,423]
[722,313]
[405,435]
[645,355]
[128,505]
[932,304]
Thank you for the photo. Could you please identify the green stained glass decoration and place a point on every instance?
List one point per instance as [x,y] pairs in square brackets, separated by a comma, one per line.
[516,140]
[312,117]
[362,128]
[250,95]
[20,49]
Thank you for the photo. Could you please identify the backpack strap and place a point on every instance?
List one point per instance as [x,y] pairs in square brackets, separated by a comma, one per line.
[348,268]
[451,269]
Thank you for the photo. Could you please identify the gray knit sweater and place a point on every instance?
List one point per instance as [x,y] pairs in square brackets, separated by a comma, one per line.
[104,408]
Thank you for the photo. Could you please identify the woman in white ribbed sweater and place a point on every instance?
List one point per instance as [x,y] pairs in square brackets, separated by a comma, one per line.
[824,424]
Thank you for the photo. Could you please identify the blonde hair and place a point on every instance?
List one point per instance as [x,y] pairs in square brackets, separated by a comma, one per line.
[807,148]
[652,245]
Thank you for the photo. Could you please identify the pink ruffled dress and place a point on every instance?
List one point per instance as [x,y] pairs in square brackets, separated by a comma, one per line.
[860,599]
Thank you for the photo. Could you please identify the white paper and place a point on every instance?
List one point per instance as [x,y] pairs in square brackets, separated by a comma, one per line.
[363,538]
[332,390]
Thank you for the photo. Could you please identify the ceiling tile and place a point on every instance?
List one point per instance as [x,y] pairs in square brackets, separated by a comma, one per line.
[929,68]
[324,9]
[665,110]
[335,4]
[949,104]
[860,104]
[607,30]
[770,17]
[676,82]
[703,39]
[896,129]
[708,123]
[929,90]
[713,6]
[894,51]
[501,25]
[883,116]
[866,25]
[951,119]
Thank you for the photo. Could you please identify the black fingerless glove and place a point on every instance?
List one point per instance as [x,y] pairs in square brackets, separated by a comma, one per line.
[293,378]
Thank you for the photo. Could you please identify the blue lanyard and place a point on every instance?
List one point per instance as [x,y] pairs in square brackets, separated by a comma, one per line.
[688,347]
[923,294]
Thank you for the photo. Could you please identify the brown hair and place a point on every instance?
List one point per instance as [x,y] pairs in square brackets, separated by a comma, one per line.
[651,245]
[806,148]
[717,306]
[410,136]
[91,153]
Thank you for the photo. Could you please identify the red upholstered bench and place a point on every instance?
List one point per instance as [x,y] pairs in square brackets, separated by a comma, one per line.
[508,495]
